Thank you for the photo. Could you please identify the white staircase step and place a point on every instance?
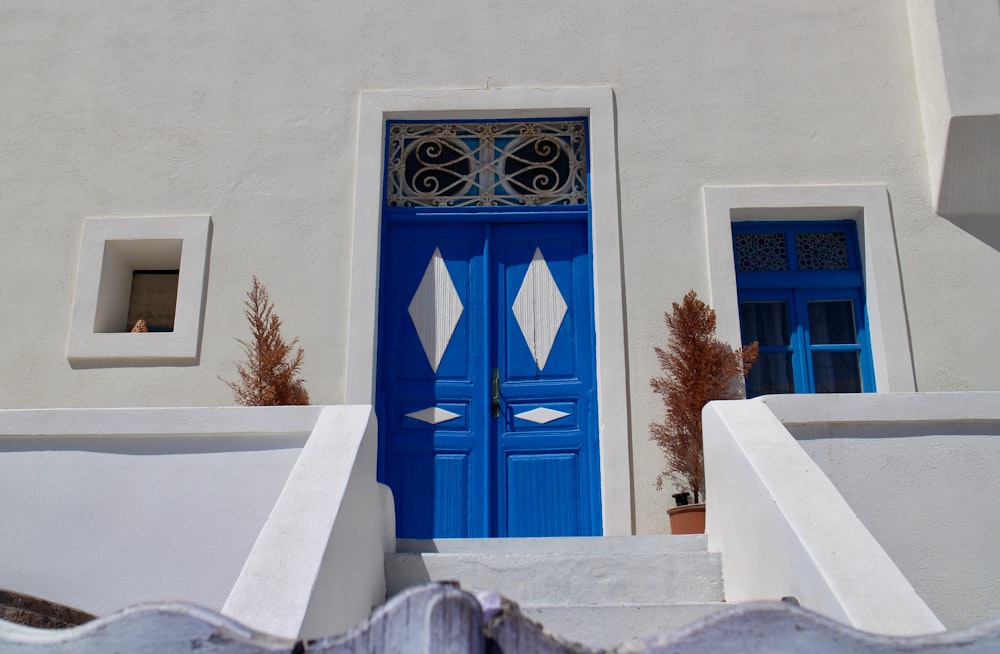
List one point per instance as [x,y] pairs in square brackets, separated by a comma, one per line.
[607,626]
[568,579]
[576,545]
[598,591]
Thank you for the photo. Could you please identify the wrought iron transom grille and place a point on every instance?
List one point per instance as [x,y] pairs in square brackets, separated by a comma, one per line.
[461,164]
[766,252]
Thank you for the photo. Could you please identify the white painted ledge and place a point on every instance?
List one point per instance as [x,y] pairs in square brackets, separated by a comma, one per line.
[182,422]
[885,408]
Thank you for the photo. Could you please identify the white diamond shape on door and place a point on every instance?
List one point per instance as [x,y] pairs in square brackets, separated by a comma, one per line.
[542,415]
[435,309]
[433,415]
[539,309]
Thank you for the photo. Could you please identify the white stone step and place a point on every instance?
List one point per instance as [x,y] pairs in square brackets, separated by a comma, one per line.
[587,544]
[607,626]
[567,578]
[598,591]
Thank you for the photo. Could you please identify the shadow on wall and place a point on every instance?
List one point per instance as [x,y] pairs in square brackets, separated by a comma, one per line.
[985,228]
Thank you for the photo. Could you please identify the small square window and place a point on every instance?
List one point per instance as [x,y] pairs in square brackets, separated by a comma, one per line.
[132,268]
[153,300]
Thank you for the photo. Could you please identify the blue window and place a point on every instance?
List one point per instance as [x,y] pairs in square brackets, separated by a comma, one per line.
[801,296]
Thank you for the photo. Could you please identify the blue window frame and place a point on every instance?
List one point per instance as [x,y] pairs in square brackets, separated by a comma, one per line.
[801,297]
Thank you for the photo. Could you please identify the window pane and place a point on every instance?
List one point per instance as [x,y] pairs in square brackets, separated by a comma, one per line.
[837,372]
[153,299]
[821,251]
[764,322]
[760,252]
[771,373]
[832,322]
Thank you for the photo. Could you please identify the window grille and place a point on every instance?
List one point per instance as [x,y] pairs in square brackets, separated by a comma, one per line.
[464,164]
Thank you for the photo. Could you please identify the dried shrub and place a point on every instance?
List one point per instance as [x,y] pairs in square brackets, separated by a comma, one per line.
[270,376]
[698,368]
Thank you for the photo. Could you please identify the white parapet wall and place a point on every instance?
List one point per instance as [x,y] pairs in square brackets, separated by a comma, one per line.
[922,472]
[784,529]
[271,515]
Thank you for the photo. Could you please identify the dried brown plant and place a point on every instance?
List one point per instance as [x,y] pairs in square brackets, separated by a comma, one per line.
[698,368]
[270,375]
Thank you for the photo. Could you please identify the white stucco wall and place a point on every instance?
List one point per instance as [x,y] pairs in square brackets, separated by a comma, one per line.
[928,494]
[247,111]
[102,510]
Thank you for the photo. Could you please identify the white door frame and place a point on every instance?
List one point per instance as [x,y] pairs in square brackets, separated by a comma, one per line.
[375,109]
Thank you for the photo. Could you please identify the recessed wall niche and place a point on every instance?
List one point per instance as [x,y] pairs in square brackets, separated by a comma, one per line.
[127,262]
[131,268]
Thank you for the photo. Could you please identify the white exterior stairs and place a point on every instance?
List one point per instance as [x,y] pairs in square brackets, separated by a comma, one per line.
[598,591]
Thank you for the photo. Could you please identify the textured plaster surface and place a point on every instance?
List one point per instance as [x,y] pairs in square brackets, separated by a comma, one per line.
[248,111]
[916,487]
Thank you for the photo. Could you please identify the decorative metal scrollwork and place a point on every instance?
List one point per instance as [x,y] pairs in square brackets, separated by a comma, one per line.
[487,164]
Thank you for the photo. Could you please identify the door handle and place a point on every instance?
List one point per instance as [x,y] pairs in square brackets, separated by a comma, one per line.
[495,392]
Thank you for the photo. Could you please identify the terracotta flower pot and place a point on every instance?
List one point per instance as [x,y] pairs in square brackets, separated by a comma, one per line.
[689,519]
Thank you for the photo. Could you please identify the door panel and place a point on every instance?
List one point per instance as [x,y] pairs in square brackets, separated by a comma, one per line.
[545,346]
[546,499]
[440,480]
[456,302]
[431,452]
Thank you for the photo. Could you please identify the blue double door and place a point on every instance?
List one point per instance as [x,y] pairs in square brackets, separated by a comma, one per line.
[485,391]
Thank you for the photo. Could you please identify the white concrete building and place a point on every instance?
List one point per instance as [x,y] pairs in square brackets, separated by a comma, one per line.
[474,217]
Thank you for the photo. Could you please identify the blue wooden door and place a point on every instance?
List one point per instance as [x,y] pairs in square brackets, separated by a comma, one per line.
[486,378]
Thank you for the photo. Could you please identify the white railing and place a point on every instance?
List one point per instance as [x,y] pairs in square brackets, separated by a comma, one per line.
[784,529]
[318,565]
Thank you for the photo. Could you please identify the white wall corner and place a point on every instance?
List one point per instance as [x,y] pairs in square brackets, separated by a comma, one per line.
[110,249]
[597,103]
[956,59]
[869,206]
